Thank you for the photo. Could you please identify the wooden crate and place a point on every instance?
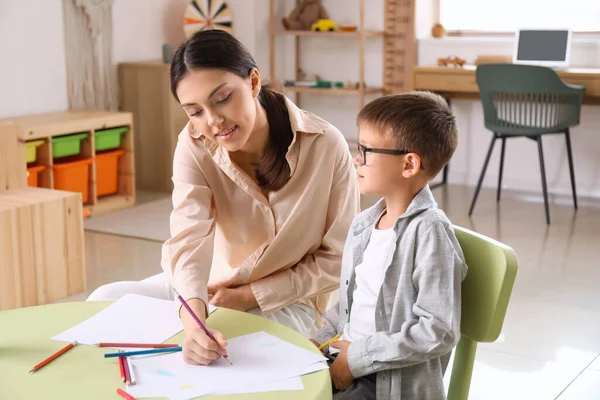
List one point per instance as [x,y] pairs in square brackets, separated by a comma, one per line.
[13,171]
[41,247]
[47,126]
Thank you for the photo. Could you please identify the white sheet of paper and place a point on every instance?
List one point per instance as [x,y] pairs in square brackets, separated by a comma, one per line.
[131,319]
[258,358]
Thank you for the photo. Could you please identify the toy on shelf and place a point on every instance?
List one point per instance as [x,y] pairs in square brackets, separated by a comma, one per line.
[348,28]
[324,25]
[305,15]
[455,61]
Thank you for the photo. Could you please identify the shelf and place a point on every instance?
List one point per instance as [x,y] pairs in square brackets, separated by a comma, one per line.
[336,34]
[332,91]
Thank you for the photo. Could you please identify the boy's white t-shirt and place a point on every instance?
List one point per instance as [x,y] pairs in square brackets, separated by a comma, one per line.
[369,278]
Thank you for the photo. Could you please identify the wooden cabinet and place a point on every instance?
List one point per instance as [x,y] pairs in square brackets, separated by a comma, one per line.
[145,91]
[50,129]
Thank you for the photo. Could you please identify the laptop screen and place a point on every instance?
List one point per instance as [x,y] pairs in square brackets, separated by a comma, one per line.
[542,45]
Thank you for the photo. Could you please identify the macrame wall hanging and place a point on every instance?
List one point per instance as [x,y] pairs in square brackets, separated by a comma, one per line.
[91,80]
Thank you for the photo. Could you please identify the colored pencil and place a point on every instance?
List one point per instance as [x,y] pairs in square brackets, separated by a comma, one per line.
[122,368]
[126,369]
[333,339]
[139,345]
[195,317]
[141,352]
[125,395]
[54,356]
[131,373]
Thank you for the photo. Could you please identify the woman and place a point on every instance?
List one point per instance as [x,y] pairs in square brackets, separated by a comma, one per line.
[264,195]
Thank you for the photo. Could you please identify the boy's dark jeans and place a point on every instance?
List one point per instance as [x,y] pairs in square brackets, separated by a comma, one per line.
[362,388]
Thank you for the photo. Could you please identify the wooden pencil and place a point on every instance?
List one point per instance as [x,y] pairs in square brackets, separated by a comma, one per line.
[122,368]
[54,356]
[139,345]
[125,395]
[131,372]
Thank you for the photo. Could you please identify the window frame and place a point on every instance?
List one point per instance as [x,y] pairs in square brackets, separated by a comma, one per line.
[437,6]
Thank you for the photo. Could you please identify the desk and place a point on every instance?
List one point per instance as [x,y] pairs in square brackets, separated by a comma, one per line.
[83,372]
[460,82]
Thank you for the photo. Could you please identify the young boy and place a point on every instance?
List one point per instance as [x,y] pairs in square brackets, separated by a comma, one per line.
[400,299]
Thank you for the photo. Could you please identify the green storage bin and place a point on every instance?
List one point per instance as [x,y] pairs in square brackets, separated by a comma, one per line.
[31,150]
[69,145]
[109,139]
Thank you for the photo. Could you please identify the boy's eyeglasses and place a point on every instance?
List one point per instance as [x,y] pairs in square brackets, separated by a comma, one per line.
[362,153]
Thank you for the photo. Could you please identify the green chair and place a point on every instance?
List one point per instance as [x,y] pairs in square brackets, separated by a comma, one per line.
[486,291]
[527,101]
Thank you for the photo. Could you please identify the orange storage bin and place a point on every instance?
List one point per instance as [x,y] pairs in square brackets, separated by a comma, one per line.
[73,176]
[107,172]
[32,174]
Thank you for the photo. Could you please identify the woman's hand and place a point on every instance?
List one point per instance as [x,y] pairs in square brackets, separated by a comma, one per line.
[199,349]
[240,298]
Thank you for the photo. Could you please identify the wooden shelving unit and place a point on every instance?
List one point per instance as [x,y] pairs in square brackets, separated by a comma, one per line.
[48,126]
[361,34]
[399,49]
[337,34]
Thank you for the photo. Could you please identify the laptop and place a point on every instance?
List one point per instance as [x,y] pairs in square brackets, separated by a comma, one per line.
[545,47]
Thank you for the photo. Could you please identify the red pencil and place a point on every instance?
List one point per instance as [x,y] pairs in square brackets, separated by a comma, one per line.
[139,345]
[126,369]
[54,356]
[125,395]
[122,368]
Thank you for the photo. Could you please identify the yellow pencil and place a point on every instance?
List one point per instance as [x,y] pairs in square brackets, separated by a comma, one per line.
[333,339]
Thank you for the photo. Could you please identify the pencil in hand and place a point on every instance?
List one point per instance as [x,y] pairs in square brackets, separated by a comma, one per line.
[333,339]
[54,356]
[195,317]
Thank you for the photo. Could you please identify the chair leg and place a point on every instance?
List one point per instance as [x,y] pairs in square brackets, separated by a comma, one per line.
[485,164]
[501,169]
[544,186]
[571,169]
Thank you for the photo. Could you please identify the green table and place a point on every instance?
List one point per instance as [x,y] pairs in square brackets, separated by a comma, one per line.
[83,372]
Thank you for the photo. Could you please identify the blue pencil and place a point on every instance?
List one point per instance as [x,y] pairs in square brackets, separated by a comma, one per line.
[141,352]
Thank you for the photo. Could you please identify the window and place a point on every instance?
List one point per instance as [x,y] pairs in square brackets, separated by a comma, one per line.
[510,15]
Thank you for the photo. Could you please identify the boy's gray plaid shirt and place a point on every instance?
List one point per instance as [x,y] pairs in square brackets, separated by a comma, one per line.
[417,316]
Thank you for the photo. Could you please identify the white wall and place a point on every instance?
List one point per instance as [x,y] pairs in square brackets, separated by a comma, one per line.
[32,51]
[32,57]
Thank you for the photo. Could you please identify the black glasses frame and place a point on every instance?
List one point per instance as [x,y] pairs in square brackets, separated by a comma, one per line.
[363,150]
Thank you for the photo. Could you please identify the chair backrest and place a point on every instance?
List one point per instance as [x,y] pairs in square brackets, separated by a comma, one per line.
[527,99]
[486,290]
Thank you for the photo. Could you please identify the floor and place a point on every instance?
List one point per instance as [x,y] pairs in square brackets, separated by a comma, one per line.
[550,344]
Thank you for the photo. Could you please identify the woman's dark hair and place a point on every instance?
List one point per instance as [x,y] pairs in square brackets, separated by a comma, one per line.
[219,49]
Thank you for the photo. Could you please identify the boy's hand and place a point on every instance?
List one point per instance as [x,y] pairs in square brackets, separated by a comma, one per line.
[340,372]
[241,298]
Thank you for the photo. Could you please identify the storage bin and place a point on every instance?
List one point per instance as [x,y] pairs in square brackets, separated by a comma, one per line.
[107,172]
[108,139]
[31,150]
[69,145]
[73,176]
[32,174]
